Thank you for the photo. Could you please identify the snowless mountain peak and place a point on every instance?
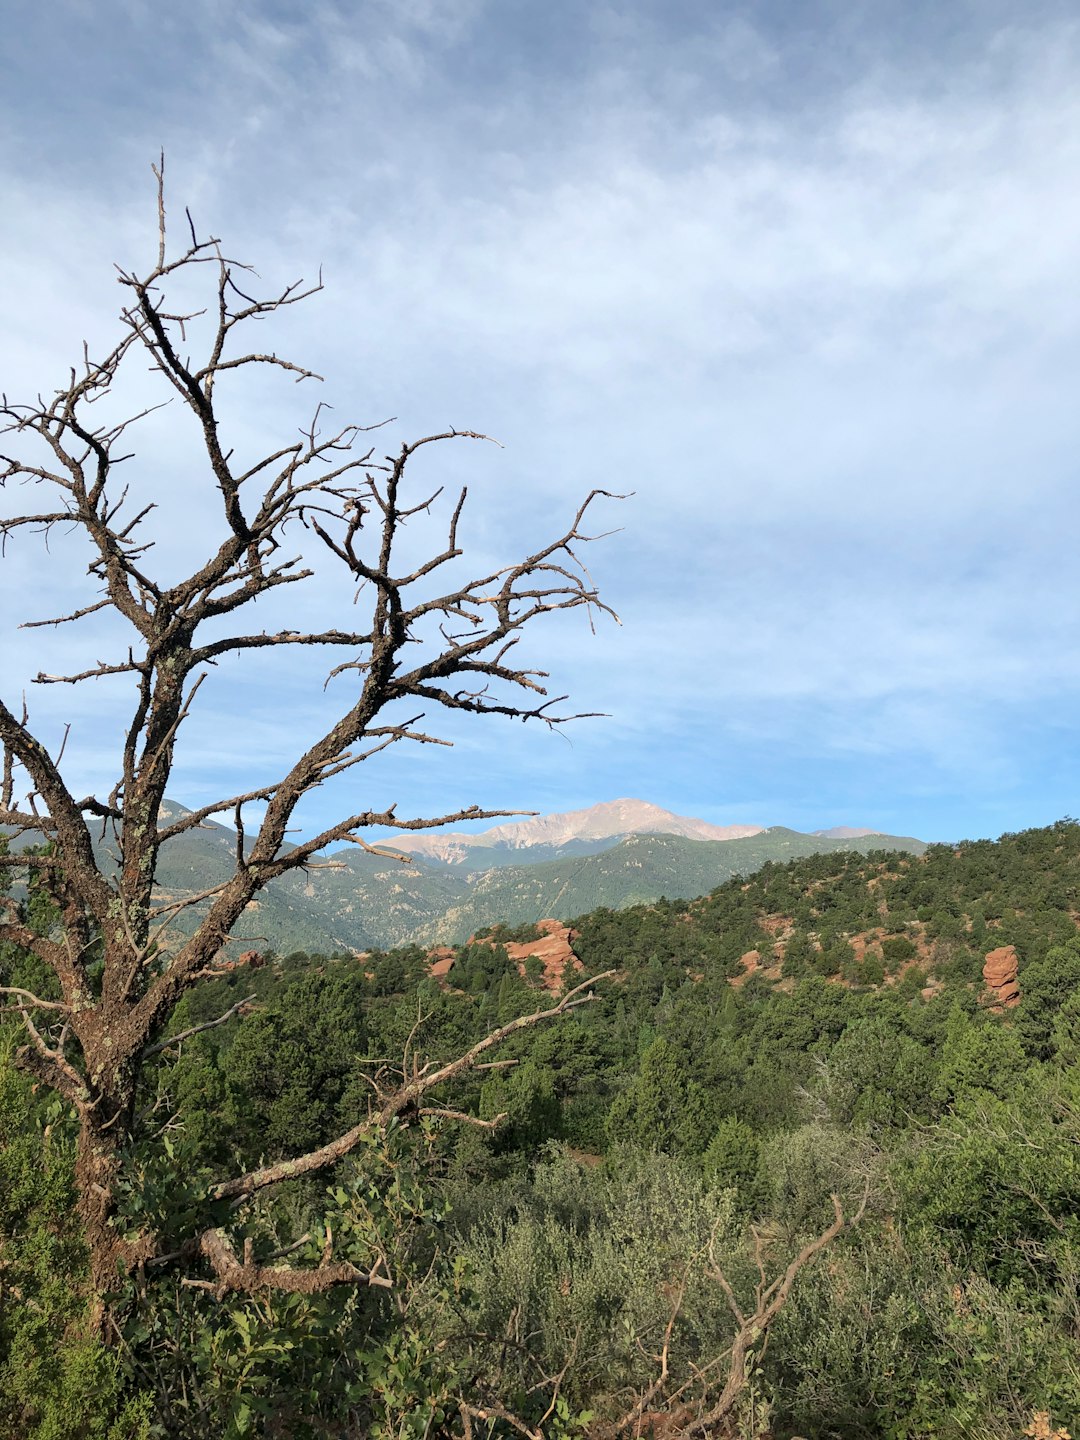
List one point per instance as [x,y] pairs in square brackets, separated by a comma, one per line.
[608,820]
[611,818]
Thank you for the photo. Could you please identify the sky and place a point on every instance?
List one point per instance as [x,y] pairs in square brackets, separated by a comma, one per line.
[804,279]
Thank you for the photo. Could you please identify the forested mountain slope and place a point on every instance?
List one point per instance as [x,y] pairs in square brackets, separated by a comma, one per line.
[354,900]
[639,869]
[834,915]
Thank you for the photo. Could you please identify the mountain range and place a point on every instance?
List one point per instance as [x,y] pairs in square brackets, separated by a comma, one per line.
[554,837]
[440,888]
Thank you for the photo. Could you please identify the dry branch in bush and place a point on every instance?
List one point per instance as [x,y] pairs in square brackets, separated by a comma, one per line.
[688,1410]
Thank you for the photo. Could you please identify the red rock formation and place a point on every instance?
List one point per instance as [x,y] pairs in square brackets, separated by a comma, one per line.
[750,962]
[441,960]
[251,959]
[999,972]
[554,949]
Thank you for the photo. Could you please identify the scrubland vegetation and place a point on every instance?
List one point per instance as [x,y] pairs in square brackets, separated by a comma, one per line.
[665,1153]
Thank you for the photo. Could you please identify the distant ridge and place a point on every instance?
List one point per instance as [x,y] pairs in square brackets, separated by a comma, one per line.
[619,853]
[844,832]
[611,820]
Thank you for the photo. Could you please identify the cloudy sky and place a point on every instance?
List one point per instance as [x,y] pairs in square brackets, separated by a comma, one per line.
[804,278]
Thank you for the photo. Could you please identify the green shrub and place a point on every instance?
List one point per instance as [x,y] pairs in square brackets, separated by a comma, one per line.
[57,1382]
[896,949]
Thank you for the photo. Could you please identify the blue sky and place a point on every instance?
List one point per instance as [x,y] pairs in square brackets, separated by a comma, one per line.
[804,278]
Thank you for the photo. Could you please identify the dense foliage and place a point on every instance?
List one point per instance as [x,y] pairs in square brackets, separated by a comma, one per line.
[817,1028]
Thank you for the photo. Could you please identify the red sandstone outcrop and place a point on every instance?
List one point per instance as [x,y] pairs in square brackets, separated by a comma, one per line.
[999,972]
[441,961]
[554,949]
[250,959]
[750,962]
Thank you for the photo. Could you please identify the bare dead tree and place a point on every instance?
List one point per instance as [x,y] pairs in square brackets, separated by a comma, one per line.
[451,648]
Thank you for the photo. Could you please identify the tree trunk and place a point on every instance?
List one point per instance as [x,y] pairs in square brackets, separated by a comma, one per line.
[103,1136]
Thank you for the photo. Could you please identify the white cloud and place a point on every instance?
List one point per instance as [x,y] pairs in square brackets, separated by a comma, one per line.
[828,338]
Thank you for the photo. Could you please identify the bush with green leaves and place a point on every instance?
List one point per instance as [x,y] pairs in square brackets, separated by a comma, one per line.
[996,1182]
[892,1338]
[57,1381]
[353,1356]
[877,1077]
[578,1270]
[1045,986]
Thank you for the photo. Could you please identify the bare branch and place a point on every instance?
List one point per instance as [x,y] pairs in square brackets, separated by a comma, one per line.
[405,1098]
[66,619]
[173,907]
[95,672]
[462,1117]
[248,1277]
[494,1411]
[236,1009]
[33,1000]
[51,1065]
